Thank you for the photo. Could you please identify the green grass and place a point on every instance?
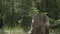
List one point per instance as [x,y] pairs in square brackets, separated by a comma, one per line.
[15,30]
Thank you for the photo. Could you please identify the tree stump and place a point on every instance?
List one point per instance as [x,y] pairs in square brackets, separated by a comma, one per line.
[40,24]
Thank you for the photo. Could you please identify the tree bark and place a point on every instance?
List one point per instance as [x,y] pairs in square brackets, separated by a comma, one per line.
[1,21]
[40,24]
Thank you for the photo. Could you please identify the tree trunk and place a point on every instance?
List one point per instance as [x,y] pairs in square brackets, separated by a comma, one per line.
[40,24]
[1,21]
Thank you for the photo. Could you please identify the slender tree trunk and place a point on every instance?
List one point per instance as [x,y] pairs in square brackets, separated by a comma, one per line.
[1,21]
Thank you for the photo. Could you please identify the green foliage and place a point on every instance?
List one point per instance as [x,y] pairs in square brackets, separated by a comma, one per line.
[23,11]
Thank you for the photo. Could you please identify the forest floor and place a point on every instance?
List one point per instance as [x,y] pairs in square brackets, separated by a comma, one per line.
[12,31]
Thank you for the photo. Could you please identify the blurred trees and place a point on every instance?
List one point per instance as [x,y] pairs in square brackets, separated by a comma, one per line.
[1,21]
[18,13]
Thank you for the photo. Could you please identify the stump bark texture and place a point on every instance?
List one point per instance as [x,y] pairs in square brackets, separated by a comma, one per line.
[40,24]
